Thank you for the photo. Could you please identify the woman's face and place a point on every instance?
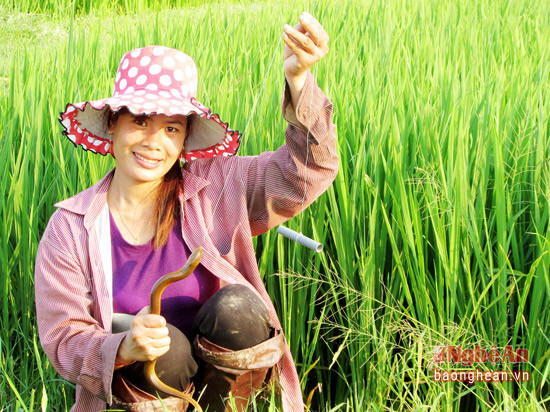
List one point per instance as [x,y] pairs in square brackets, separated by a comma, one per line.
[146,147]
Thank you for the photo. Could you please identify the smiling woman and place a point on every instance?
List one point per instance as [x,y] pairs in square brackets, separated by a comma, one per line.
[104,249]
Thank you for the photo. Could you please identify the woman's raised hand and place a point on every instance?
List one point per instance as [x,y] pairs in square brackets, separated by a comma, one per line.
[147,339]
[306,44]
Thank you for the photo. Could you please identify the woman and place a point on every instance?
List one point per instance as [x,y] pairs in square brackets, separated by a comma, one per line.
[104,248]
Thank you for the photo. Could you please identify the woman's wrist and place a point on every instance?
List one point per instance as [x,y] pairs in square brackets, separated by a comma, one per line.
[122,357]
[295,86]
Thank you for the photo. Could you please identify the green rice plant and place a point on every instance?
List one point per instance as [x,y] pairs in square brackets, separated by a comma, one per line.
[66,7]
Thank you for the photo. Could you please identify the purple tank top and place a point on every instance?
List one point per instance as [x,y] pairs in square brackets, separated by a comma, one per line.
[136,268]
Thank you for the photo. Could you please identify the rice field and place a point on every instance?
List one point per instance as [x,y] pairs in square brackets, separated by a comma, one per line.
[436,231]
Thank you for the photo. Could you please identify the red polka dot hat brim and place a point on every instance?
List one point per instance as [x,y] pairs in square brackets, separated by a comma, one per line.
[86,125]
[152,80]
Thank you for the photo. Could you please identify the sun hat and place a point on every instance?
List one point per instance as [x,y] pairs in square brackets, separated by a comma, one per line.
[152,80]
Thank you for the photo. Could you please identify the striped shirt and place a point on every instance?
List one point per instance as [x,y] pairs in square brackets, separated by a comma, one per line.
[225,202]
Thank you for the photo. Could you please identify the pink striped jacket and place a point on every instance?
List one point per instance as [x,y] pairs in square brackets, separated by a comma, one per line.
[225,202]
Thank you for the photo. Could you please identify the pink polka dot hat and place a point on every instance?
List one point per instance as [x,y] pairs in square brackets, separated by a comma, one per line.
[152,80]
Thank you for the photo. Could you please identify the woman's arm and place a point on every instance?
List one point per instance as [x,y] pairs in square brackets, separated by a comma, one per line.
[281,183]
[278,184]
[79,347]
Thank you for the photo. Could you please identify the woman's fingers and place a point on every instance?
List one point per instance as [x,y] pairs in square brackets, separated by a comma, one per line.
[314,29]
[142,349]
[306,44]
[296,50]
[309,33]
[151,321]
[149,326]
[149,349]
[300,38]
[150,334]
[147,339]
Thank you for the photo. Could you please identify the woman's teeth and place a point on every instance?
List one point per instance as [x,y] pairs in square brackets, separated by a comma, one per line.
[146,160]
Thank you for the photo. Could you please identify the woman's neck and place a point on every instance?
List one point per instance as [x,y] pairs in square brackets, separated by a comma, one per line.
[131,194]
[132,205]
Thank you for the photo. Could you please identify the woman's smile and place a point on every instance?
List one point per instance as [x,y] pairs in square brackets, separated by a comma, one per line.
[147,162]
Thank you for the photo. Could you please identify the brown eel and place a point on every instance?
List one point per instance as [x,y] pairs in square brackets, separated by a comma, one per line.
[156,294]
